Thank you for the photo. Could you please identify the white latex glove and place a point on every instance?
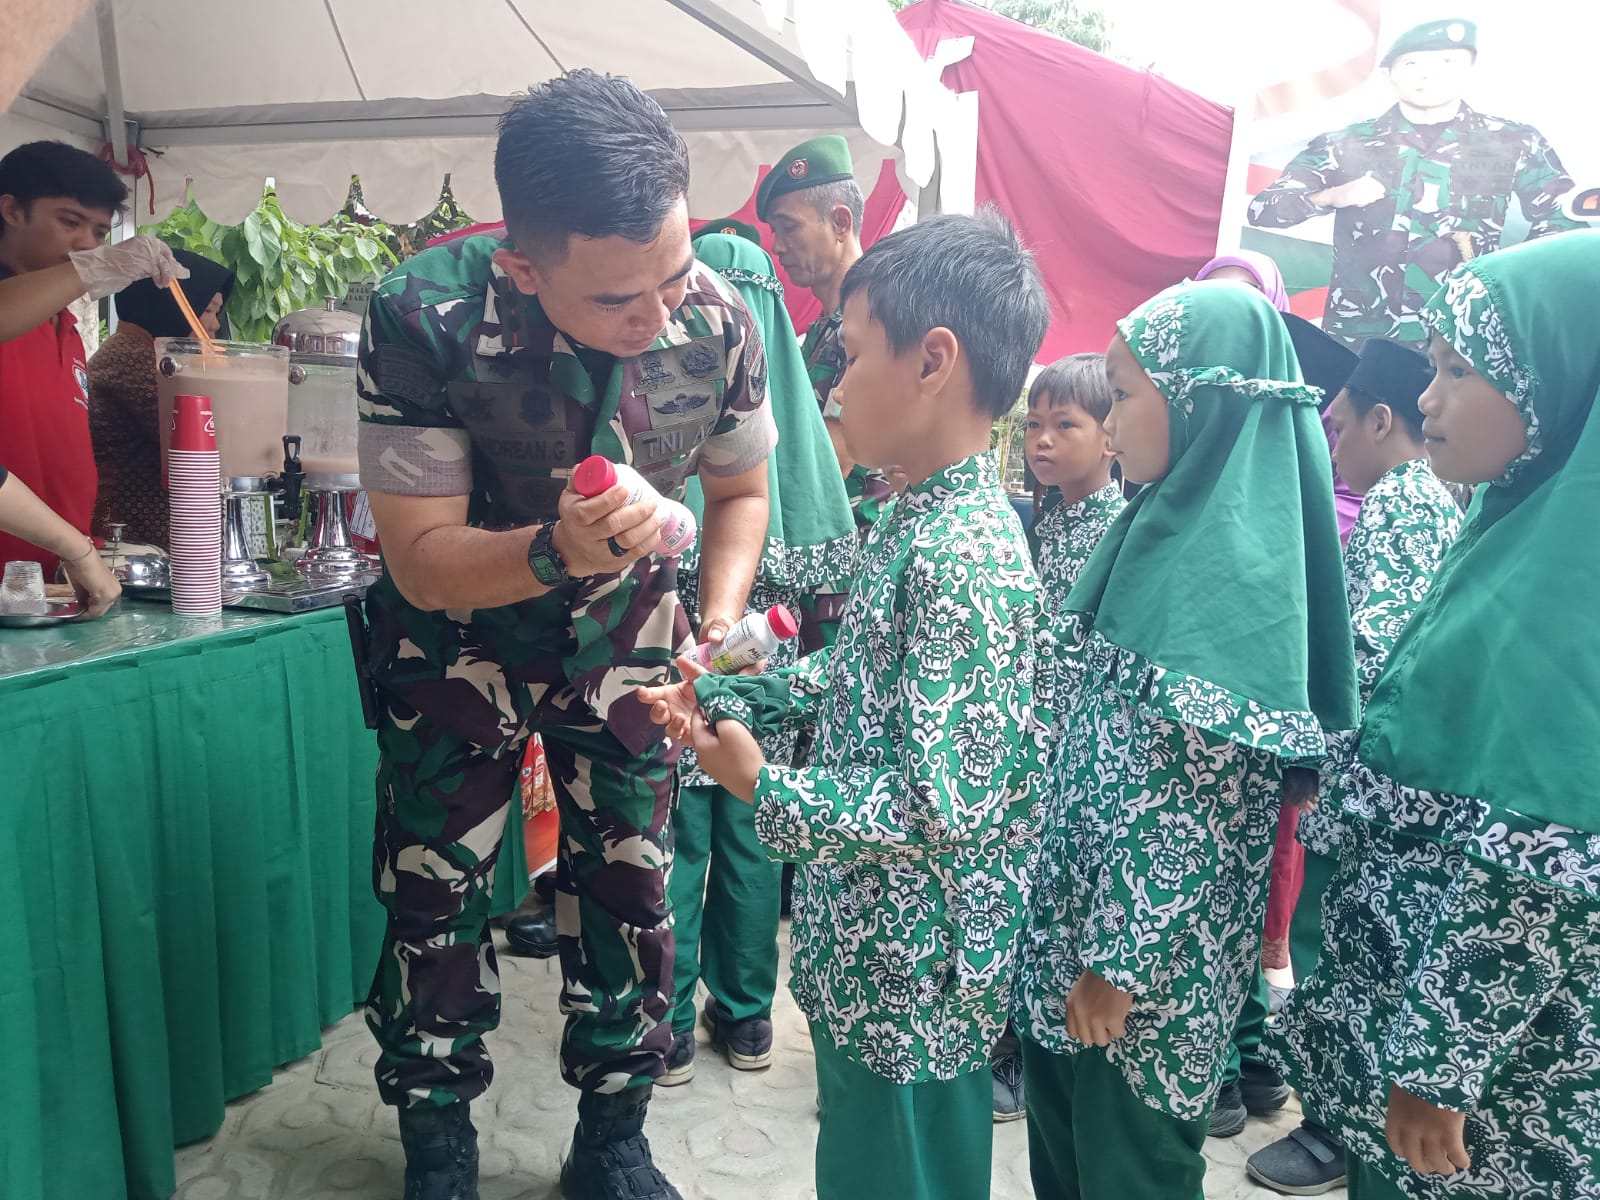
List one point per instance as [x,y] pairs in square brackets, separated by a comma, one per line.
[108,269]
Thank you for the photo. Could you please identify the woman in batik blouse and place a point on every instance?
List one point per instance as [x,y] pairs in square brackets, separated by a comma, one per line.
[1450,1035]
[1215,651]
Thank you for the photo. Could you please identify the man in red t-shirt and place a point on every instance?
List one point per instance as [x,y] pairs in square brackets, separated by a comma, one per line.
[57,205]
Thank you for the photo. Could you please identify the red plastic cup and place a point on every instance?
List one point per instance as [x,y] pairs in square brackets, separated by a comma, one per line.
[193,425]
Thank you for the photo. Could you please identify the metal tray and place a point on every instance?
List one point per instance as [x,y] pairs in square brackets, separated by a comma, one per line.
[62,612]
[293,596]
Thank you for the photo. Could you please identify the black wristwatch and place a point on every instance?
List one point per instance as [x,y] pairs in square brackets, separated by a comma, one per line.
[545,560]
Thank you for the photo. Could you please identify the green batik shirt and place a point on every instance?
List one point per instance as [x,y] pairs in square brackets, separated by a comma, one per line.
[916,832]
[466,389]
[1449,192]
[1064,537]
[1406,523]
[823,349]
[1468,983]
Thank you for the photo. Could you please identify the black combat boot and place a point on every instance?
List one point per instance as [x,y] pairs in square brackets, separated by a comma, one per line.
[610,1157]
[441,1152]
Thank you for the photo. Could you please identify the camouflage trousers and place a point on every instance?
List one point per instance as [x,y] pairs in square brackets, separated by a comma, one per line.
[442,806]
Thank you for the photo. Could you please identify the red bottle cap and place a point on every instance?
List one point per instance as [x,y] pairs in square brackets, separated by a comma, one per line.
[594,475]
[193,426]
[782,622]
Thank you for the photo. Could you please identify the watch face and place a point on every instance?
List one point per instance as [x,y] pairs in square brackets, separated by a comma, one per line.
[547,566]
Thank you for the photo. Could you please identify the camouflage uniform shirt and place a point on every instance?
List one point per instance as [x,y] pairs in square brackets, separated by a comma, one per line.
[465,388]
[915,833]
[823,349]
[1449,189]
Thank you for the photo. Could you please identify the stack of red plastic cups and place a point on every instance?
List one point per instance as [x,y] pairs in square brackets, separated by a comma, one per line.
[194,493]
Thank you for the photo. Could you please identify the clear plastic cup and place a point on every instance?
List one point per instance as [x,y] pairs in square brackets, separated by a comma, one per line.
[22,590]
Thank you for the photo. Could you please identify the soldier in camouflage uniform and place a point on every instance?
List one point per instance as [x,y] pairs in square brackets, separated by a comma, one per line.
[488,368]
[1423,187]
[814,207]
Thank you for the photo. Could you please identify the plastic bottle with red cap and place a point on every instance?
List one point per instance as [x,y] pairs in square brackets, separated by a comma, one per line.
[752,639]
[597,474]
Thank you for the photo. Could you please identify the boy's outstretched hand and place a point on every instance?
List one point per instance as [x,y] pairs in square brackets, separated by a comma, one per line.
[1431,1139]
[1097,1013]
[674,704]
[729,754]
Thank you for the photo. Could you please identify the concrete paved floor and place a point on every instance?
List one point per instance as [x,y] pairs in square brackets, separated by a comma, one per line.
[319,1131]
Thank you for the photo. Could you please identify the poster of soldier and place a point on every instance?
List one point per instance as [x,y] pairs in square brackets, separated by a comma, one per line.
[1401,137]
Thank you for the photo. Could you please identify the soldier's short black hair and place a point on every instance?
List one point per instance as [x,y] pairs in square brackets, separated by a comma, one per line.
[1404,407]
[1076,379]
[970,275]
[55,170]
[587,154]
[847,192]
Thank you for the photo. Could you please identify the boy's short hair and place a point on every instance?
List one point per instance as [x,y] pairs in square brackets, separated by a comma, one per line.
[1078,379]
[587,154]
[970,275]
[1403,407]
[48,170]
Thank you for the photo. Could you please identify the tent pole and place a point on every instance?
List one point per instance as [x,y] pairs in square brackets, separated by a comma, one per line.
[716,18]
[116,118]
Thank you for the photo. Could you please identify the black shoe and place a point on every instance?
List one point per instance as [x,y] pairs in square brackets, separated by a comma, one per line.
[532,934]
[747,1043]
[1228,1118]
[680,1061]
[1306,1163]
[441,1152]
[610,1157]
[1262,1089]
[1006,1065]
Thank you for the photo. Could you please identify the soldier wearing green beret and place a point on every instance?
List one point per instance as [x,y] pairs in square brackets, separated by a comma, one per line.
[814,206]
[1416,191]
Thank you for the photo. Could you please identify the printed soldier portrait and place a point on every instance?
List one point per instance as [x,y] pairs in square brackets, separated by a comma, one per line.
[1417,189]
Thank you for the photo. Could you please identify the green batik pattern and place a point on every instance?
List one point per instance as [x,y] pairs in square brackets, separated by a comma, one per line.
[1448,198]
[1065,537]
[1469,985]
[916,832]
[1153,874]
[1407,521]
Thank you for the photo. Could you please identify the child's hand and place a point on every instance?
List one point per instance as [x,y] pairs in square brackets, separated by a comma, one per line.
[729,754]
[674,704]
[1097,1013]
[1431,1139]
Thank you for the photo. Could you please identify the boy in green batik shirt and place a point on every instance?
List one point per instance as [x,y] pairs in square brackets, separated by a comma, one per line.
[916,832]
[1067,452]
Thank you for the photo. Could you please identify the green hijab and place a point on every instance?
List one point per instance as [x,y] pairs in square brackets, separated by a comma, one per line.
[1217,598]
[811,539]
[1488,716]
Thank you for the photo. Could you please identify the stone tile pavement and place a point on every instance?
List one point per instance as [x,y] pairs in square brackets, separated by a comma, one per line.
[318,1131]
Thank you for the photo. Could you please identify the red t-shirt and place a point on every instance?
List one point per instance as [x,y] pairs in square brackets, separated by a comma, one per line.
[44,427]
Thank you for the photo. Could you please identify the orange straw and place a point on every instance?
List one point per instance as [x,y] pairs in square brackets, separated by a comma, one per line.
[207,346]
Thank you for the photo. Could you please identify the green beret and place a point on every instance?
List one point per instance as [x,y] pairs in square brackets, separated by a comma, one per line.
[1435,35]
[732,227]
[810,164]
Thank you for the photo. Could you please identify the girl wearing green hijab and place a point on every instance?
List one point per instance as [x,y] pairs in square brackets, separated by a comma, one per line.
[1209,649]
[725,891]
[1450,1034]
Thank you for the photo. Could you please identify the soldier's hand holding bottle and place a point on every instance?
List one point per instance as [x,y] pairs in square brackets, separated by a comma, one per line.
[601,535]
[1357,193]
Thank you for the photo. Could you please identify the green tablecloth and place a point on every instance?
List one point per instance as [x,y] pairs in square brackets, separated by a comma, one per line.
[186,816]
[187,811]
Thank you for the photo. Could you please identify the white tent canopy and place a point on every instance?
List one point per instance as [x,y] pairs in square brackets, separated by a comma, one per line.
[227,93]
